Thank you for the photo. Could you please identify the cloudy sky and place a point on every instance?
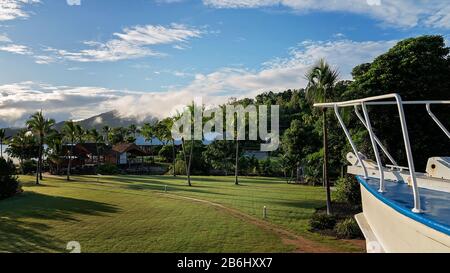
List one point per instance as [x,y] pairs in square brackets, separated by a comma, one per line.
[78,58]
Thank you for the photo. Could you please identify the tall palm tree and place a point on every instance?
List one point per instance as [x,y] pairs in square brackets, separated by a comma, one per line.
[2,138]
[40,127]
[106,130]
[95,136]
[321,81]
[55,145]
[148,132]
[163,133]
[80,133]
[133,130]
[69,130]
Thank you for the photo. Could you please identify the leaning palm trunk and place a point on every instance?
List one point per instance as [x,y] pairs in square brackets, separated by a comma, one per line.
[173,159]
[183,144]
[236,170]
[41,147]
[38,166]
[69,166]
[326,180]
[190,163]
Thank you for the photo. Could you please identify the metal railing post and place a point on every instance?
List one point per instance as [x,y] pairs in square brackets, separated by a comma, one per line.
[347,134]
[417,207]
[375,148]
[385,151]
[438,122]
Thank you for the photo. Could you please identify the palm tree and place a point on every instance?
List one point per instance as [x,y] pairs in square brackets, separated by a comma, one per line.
[321,81]
[95,136]
[80,133]
[148,132]
[106,130]
[163,133]
[2,138]
[133,130]
[40,127]
[69,130]
[55,145]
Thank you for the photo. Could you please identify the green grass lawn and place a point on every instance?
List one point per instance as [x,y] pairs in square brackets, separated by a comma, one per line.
[133,214]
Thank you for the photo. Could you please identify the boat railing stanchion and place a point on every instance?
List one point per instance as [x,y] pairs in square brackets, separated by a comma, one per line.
[375,148]
[347,134]
[385,151]
[437,121]
[417,206]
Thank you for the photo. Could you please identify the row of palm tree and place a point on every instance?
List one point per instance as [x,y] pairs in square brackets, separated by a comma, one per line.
[321,81]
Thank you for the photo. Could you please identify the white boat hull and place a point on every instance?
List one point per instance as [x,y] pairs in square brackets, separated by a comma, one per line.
[388,230]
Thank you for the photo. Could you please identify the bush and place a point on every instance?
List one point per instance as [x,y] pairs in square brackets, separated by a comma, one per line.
[348,191]
[9,184]
[348,229]
[28,167]
[322,221]
[166,153]
[108,169]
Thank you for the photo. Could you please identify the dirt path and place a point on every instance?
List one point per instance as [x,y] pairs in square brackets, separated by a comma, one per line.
[300,243]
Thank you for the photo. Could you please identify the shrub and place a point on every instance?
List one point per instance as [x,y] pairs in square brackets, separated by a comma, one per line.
[166,153]
[322,221]
[9,184]
[28,167]
[348,229]
[347,190]
[108,169]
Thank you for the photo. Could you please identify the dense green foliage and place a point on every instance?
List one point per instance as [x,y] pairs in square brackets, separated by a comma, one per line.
[348,229]
[9,184]
[417,69]
[322,221]
[107,169]
[347,190]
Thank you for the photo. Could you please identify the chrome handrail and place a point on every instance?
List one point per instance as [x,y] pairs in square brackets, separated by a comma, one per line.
[375,101]
[385,151]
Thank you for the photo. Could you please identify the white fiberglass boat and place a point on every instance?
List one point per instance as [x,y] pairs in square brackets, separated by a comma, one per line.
[403,210]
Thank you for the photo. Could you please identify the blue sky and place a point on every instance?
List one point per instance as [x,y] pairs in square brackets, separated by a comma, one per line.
[78,58]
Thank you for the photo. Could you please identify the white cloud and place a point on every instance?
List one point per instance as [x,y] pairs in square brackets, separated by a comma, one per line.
[4,38]
[74,2]
[19,100]
[12,9]
[132,43]
[403,13]
[7,45]
[16,49]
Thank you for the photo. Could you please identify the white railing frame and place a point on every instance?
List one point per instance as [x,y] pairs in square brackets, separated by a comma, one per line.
[385,151]
[347,134]
[438,122]
[375,148]
[398,101]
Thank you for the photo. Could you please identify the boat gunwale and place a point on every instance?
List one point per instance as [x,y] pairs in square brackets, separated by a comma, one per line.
[403,210]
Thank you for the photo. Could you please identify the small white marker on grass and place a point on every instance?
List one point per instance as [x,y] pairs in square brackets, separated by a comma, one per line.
[265,212]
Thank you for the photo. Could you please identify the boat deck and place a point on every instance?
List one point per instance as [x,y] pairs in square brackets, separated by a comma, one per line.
[399,196]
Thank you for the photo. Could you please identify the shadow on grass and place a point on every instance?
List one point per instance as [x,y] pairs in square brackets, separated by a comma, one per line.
[23,226]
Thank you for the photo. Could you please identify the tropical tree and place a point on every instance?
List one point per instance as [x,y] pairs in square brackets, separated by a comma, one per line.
[148,132]
[95,136]
[80,133]
[69,131]
[2,138]
[117,135]
[105,131]
[162,131]
[23,146]
[133,130]
[322,79]
[40,127]
[55,147]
